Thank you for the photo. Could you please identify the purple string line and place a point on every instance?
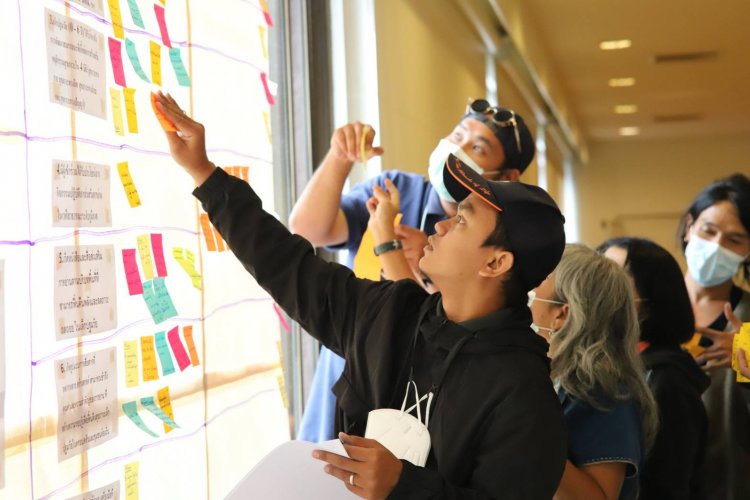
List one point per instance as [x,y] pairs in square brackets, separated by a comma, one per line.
[123,329]
[89,232]
[158,443]
[28,213]
[156,38]
[92,142]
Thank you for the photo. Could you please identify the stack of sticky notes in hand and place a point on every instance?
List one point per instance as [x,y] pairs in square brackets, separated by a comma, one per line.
[741,341]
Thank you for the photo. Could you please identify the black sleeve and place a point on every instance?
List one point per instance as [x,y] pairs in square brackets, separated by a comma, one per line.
[678,447]
[323,297]
[520,455]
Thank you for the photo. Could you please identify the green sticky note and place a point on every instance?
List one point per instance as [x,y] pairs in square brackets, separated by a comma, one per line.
[151,406]
[135,13]
[179,68]
[165,357]
[131,410]
[133,55]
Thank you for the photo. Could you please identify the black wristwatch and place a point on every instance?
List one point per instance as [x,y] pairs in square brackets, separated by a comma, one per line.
[388,246]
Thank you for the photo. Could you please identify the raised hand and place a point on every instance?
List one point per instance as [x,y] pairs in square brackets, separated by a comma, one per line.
[346,142]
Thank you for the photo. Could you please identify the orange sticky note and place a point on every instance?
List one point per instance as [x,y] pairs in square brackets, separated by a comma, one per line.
[148,356]
[187,332]
[693,346]
[167,125]
[208,233]
[155,50]
[165,403]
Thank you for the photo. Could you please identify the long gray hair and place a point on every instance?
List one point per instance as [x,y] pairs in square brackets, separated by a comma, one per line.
[596,349]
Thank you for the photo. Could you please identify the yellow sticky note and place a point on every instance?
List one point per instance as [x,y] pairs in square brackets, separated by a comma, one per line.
[131,363]
[131,481]
[144,250]
[263,33]
[116,15]
[363,145]
[282,389]
[148,355]
[127,183]
[693,347]
[267,121]
[741,341]
[130,110]
[186,259]
[165,403]
[366,263]
[155,50]
[114,96]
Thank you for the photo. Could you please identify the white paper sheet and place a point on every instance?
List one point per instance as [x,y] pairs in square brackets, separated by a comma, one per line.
[108,492]
[80,194]
[290,472]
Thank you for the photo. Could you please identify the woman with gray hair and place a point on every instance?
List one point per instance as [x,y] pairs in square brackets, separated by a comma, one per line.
[585,310]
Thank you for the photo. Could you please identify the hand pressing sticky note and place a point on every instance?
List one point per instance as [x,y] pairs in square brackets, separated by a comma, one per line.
[167,125]
[741,341]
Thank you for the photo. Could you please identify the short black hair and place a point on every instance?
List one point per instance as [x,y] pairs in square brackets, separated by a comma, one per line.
[515,293]
[734,189]
[666,314]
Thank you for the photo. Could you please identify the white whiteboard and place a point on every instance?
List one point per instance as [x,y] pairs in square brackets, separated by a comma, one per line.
[67,229]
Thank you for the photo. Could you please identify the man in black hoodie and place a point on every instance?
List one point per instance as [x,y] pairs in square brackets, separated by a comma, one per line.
[495,425]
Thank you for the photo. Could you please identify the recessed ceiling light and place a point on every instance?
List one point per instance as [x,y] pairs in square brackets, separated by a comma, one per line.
[629,131]
[626,109]
[615,44]
[622,82]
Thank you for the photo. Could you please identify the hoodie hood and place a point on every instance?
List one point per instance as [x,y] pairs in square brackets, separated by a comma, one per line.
[679,360]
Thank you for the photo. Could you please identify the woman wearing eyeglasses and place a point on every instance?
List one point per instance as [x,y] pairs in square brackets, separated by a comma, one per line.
[715,232]
[585,310]
[672,469]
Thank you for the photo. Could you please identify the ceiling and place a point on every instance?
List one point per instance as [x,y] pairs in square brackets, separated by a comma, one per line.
[703,98]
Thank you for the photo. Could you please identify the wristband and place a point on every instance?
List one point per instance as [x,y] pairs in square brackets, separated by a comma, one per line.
[388,246]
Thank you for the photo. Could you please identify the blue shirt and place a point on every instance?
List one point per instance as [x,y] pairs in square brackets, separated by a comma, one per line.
[420,208]
[601,436]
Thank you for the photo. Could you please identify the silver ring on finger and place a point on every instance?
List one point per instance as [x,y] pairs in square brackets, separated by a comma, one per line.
[351,479]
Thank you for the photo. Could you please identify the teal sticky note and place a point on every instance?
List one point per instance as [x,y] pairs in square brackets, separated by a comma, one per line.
[165,308]
[133,55]
[165,357]
[152,302]
[179,68]
[135,13]
[131,410]
[151,406]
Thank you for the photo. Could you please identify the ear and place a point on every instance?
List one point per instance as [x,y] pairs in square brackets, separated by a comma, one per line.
[688,224]
[560,317]
[510,174]
[500,262]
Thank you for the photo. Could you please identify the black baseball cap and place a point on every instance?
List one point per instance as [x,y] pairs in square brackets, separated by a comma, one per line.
[532,220]
[510,129]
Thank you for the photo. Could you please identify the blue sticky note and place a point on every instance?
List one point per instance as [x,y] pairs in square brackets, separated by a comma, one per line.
[165,357]
[133,56]
[151,406]
[135,13]
[179,69]
[131,410]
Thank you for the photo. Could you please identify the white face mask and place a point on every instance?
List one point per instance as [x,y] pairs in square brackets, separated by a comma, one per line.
[532,297]
[437,164]
[401,433]
[710,264]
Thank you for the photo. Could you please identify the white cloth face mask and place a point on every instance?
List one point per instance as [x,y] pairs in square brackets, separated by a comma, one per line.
[438,157]
[710,264]
[400,432]
[536,328]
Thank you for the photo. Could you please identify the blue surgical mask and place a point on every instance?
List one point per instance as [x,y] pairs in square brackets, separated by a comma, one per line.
[437,164]
[710,264]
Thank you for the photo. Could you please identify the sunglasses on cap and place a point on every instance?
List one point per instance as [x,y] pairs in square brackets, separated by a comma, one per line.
[498,116]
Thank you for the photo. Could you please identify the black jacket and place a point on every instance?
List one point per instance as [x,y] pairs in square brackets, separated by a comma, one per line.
[671,469]
[496,426]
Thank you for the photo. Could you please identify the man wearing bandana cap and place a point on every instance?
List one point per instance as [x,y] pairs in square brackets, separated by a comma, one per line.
[493,140]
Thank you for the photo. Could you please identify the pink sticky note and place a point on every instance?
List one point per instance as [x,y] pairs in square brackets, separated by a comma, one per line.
[269,95]
[282,320]
[132,276]
[159,11]
[115,55]
[180,354]
[157,249]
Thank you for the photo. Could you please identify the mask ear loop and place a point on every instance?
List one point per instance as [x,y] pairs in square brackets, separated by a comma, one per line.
[416,396]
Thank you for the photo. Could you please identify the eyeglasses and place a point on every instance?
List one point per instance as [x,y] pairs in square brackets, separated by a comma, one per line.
[483,107]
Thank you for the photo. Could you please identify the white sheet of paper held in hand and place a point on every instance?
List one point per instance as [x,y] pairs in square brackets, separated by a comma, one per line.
[289,472]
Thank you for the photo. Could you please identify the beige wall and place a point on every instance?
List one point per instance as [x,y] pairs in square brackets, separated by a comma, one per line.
[641,188]
[429,63]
